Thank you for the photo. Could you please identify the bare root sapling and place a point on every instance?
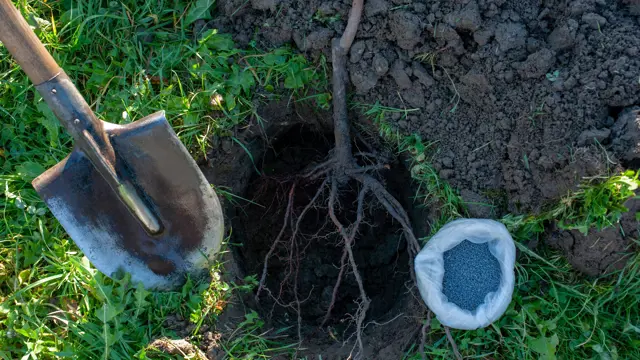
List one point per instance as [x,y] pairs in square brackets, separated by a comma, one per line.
[336,171]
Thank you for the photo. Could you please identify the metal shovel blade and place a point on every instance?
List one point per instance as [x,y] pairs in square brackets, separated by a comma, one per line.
[149,156]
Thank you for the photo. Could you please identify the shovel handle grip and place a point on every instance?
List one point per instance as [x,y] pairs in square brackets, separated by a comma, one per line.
[24,45]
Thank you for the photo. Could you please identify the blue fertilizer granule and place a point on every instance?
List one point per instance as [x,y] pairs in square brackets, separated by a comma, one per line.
[470,273]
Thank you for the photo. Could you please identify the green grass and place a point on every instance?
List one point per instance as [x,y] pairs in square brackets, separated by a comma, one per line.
[595,205]
[556,313]
[132,59]
[250,341]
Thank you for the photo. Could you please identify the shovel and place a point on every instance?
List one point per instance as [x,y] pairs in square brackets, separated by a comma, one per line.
[130,196]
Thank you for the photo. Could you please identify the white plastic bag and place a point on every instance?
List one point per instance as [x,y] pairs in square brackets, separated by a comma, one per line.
[429,267]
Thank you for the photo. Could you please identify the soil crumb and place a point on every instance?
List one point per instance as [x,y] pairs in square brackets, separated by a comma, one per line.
[179,347]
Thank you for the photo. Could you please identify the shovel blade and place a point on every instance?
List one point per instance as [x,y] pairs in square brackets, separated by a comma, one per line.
[149,155]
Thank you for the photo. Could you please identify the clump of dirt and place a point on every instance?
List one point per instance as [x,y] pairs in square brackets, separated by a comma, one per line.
[312,262]
[180,347]
[600,252]
[524,98]
[625,134]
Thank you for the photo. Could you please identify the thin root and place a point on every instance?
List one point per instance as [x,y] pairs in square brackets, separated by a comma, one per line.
[334,294]
[423,337]
[287,214]
[453,343]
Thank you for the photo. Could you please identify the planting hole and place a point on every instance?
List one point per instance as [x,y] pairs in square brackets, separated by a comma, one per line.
[306,268]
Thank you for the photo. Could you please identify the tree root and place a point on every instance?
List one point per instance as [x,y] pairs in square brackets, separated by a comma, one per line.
[423,337]
[453,343]
[276,242]
[340,168]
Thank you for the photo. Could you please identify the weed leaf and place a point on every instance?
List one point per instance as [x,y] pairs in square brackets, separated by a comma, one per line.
[230,100]
[545,346]
[29,170]
[295,76]
[214,41]
[141,295]
[198,10]
[274,59]
[243,79]
[553,76]
[107,312]
[49,121]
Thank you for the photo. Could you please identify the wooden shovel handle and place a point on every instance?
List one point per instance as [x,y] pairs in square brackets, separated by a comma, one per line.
[24,45]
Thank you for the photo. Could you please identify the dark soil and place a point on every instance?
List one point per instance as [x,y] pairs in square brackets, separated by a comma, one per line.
[381,251]
[524,98]
[290,139]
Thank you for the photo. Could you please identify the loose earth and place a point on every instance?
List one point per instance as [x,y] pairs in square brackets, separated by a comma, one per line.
[524,99]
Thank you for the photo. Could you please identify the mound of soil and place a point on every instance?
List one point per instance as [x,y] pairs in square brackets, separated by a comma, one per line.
[524,98]
[600,252]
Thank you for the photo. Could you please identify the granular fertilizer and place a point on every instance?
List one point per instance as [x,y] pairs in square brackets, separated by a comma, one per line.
[470,273]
